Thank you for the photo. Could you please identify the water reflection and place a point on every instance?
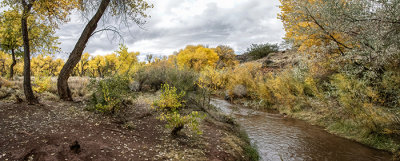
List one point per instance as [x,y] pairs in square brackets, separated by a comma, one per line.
[280,138]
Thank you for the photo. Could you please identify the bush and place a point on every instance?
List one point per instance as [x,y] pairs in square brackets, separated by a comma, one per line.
[182,79]
[42,84]
[245,75]
[152,76]
[5,83]
[258,51]
[109,93]
[169,100]
[390,90]
[358,100]
[169,104]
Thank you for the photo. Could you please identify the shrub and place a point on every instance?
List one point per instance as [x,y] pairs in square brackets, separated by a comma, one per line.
[42,84]
[258,51]
[244,75]
[169,100]
[177,122]
[161,72]
[5,83]
[183,79]
[169,104]
[390,90]
[209,81]
[109,93]
[152,76]
[358,100]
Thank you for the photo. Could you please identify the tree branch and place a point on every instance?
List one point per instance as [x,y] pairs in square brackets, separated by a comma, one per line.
[327,32]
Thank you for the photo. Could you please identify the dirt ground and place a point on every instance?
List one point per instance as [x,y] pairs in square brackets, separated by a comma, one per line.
[57,130]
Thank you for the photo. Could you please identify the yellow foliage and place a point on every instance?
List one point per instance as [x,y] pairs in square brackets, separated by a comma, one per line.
[170,100]
[46,64]
[210,79]
[245,75]
[41,83]
[5,62]
[306,32]
[127,61]
[227,57]
[197,57]
[97,66]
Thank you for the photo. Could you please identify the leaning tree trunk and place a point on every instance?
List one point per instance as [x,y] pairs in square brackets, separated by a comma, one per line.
[14,62]
[62,83]
[30,98]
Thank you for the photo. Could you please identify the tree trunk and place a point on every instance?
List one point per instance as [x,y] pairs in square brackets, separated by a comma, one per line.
[30,98]
[14,62]
[62,83]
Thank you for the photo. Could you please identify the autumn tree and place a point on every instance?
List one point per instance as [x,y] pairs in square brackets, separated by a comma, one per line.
[42,37]
[197,57]
[46,64]
[44,11]
[126,61]
[149,58]
[97,66]
[227,56]
[82,65]
[365,32]
[118,9]
[4,62]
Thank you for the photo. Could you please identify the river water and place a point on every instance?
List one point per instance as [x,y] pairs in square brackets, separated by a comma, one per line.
[279,138]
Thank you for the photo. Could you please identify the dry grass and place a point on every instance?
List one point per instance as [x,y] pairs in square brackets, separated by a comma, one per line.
[78,86]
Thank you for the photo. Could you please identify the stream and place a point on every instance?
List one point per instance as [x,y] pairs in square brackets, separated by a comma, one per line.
[280,138]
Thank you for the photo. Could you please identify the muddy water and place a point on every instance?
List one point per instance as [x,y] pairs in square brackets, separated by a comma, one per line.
[280,138]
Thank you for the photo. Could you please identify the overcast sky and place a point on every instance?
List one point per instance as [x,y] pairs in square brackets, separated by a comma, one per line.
[177,23]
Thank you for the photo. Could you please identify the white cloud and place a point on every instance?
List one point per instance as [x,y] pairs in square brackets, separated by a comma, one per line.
[176,23]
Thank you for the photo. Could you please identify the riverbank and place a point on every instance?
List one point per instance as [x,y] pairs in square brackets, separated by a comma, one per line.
[291,82]
[279,137]
[322,115]
[57,130]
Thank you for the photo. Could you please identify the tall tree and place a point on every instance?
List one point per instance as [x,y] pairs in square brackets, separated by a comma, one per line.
[123,9]
[227,56]
[41,36]
[82,66]
[27,55]
[49,12]
[363,31]
[197,57]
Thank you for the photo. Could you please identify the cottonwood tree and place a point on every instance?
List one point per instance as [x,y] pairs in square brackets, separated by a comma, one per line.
[197,57]
[42,37]
[48,12]
[227,56]
[365,32]
[123,10]
[126,61]
[82,66]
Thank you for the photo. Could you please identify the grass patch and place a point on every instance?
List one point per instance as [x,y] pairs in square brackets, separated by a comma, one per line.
[250,151]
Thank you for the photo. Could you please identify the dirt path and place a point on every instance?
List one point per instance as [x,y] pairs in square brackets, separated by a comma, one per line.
[65,131]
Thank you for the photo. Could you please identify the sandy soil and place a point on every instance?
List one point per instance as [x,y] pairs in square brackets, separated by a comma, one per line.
[58,130]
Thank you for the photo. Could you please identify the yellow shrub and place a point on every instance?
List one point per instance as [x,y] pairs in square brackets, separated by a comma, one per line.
[245,75]
[285,88]
[359,100]
[170,104]
[170,99]
[5,83]
[41,84]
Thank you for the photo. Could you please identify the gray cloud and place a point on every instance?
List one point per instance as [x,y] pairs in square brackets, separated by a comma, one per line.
[175,24]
